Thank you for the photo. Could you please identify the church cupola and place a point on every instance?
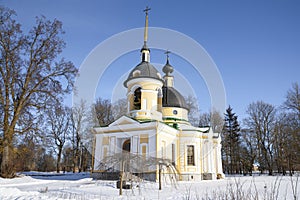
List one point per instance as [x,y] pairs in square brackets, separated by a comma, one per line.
[174,107]
[144,86]
[168,69]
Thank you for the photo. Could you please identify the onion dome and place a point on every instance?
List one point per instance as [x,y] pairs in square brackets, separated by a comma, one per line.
[172,98]
[168,69]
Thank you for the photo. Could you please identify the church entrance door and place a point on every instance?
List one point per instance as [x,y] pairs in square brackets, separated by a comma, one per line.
[126,145]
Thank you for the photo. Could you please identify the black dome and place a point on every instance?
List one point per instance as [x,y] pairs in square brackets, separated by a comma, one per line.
[172,98]
[143,70]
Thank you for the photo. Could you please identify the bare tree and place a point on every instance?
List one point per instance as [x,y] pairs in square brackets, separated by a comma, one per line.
[292,126]
[217,121]
[58,127]
[119,108]
[193,110]
[31,77]
[204,119]
[79,122]
[213,119]
[44,159]
[261,121]
[248,150]
[103,111]
[292,101]
[287,139]
[26,153]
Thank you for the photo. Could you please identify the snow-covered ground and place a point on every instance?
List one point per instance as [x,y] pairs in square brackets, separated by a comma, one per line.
[35,185]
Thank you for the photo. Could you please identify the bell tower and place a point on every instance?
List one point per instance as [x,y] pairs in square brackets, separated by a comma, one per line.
[144,86]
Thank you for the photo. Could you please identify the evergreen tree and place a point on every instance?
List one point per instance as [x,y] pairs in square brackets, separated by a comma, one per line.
[231,143]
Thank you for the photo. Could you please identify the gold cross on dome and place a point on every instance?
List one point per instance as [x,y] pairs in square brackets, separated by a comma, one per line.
[167,52]
[147,9]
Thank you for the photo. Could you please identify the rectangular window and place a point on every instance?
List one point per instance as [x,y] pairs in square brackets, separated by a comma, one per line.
[190,155]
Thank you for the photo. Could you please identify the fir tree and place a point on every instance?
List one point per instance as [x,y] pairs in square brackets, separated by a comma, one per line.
[231,142]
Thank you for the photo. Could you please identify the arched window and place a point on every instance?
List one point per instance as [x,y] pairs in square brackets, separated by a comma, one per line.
[159,93]
[126,146]
[137,99]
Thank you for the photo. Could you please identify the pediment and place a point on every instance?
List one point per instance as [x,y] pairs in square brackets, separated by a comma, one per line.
[124,120]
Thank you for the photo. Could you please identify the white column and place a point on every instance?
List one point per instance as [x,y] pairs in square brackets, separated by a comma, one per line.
[219,157]
[134,144]
[113,145]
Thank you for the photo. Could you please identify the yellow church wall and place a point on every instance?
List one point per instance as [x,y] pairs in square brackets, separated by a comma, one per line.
[151,100]
[144,152]
[186,139]
[144,83]
[159,104]
[105,140]
[130,100]
[178,164]
[144,138]
[150,104]
[168,112]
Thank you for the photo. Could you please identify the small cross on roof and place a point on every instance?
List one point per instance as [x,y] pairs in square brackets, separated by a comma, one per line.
[167,52]
[147,9]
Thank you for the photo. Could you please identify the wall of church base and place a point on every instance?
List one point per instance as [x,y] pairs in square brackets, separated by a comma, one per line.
[191,177]
[105,175]
[209,176]
[149,176]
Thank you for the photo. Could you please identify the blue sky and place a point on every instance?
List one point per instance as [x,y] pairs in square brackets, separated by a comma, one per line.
[255,44]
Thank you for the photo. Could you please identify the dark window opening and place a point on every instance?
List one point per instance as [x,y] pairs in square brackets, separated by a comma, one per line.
[126,146]
[190,155]
[137,99]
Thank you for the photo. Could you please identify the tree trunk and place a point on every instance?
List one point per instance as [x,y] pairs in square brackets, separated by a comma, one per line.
[75,161]
[7,164]
[58,159]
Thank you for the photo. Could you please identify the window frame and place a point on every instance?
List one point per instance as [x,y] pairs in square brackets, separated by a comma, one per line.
[190,155]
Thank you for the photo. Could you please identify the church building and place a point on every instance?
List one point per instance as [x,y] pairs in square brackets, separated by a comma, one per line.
[157,126]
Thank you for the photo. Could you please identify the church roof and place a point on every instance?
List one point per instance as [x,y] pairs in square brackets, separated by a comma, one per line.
[143,70]
[172,98]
